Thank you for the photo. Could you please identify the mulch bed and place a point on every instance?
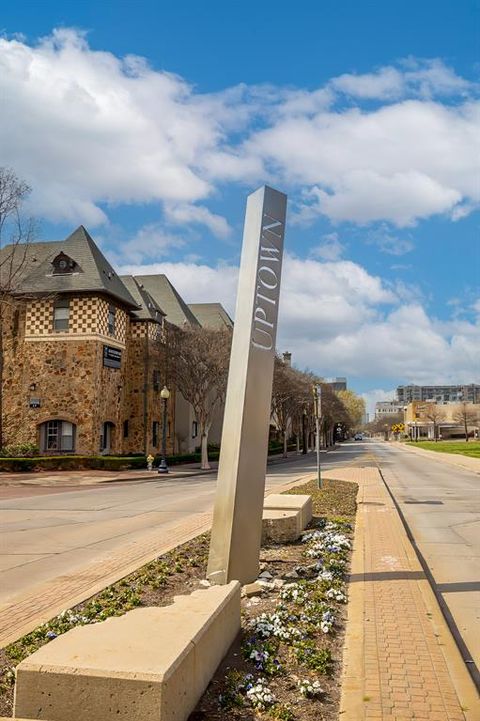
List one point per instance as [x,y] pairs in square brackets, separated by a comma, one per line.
[180,572]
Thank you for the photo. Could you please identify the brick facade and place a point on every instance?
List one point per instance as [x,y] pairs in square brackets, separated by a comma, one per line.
[63,373]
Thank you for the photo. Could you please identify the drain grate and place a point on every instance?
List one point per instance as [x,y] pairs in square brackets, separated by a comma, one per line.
[426,503]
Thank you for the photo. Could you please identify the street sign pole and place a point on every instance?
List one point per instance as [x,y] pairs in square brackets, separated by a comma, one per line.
[317,401]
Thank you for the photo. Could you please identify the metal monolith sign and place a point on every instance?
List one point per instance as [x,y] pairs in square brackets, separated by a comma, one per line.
[237,519]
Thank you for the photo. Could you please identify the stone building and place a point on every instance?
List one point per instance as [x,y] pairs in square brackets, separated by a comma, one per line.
[84,353]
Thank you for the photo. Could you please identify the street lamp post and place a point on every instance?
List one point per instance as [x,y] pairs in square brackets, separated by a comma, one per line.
[164,395]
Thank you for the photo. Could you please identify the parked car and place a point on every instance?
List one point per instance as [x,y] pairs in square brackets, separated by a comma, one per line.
[358,437]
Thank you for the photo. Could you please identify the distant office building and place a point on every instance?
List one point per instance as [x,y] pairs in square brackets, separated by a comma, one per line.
[337,384]
[439,394]
[387,409]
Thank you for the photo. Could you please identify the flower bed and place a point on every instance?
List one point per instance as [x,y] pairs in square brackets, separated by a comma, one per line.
[286,663]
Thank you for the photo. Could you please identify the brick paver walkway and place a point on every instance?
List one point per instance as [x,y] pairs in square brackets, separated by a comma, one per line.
[400,659]
[23,615]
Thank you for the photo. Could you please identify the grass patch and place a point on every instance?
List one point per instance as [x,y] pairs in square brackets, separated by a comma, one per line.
[470,449]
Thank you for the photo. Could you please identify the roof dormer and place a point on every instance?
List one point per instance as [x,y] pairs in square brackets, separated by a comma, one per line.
[64,265]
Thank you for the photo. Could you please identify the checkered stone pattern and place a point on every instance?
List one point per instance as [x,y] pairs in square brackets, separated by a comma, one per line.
[154,331]
[39,320]
[120,321]
[121,325]
[83,315]
[138,330]
[102,316]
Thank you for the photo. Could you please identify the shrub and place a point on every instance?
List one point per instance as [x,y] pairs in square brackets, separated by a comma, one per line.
[20,450]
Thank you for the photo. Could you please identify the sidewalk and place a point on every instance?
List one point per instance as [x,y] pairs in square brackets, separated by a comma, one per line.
[92,478]
[400,660]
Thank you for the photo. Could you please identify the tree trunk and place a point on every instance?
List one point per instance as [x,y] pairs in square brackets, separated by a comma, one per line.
[205,465]
[1,377]
[285,445]
[304,435]
[466,431]
[297,438]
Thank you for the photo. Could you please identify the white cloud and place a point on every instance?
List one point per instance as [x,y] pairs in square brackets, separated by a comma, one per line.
[149,243]
[187,214]
[389,243]
[398,163]
[338,319]
[422,79]
[329,249]
[376,395]
[87,127]
[89,130]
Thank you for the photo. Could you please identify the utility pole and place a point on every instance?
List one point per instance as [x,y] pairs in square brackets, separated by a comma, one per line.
[317,406]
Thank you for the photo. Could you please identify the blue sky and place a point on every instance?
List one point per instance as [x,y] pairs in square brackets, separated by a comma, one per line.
[149,123]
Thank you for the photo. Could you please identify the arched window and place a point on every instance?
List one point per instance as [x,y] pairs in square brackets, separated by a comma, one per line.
[64,265]
[57,436]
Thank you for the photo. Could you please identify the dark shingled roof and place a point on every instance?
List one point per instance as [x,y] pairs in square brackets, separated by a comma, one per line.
[211,315]
[18,261]
[94,274]
[149,308]
[160,288]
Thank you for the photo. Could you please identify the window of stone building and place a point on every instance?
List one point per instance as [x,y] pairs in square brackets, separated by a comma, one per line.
[107,436]
[156,380]
[111,319]
[155,429]
[194,429]
[125,429]
[57,436]
[63,264]
[61,314]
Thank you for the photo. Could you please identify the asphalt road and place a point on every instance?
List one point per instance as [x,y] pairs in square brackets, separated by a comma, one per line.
[46,534]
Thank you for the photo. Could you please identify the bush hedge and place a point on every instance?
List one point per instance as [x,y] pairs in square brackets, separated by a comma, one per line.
[99,463]
[25,464]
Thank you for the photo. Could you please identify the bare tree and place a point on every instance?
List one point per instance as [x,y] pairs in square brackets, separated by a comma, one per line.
[333,412]
[289,394]
[199,359]
[436,414]
[15,235]
[466,416]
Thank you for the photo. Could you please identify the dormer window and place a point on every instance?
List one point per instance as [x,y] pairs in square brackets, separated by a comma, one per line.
[63,264]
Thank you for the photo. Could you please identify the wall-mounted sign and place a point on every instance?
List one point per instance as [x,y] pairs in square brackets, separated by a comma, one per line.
[112,357]
[34,403]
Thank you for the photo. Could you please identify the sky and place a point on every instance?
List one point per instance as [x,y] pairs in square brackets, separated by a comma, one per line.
[150,122]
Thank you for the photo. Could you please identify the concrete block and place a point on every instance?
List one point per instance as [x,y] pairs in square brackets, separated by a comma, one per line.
[152,664]
[252,589]
[281,526]
[290,502]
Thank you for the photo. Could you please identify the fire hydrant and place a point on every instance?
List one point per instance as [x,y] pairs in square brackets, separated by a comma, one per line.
[150,460]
